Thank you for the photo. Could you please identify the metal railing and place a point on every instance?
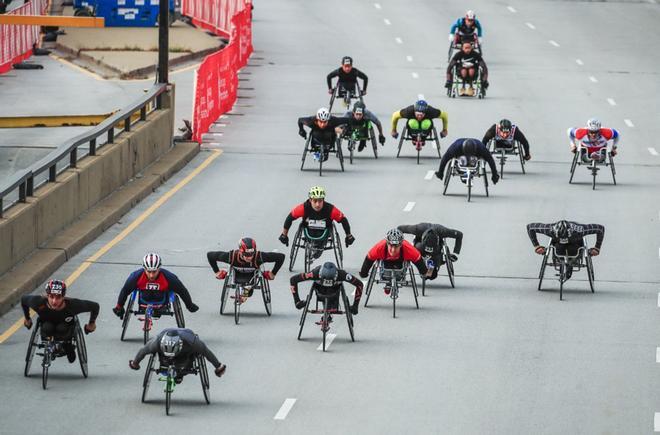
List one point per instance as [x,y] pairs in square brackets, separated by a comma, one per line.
[22,184]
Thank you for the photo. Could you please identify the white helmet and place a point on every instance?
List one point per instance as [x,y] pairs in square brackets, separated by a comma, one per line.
[469,15]
[323,114]
[151,262]
[593,124]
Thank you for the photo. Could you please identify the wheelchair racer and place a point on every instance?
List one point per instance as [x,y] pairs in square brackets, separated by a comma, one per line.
[245,260]
[470,149]
[419,118]
[505,134]
[347,77]
[393,251]
[567,237]
[594,140]
[467,62]
[429,242]
[359,119]
[317,215]
[153,283]
[328,280]
[178,346]
[322,128]
[464,29]
[57,314]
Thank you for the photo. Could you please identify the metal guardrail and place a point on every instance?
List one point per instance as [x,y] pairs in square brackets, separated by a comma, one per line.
[23,182]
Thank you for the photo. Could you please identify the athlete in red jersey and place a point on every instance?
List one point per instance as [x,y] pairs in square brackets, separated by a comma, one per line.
[394,251]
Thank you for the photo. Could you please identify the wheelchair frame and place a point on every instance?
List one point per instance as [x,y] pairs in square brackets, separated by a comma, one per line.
[151,310]
[501,153]
[593,166]
[352,139]
[347,98]
[432,137]
[559,263]
[326,313]
[458,82]
[455,46]
[257,282]
[449,264]
[472,172]
[332,242]
[407,280]
[322,149]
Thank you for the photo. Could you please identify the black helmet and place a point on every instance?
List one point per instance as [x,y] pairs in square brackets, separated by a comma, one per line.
[359,107]
[171,344]
[56,287]
[328,274]
[430,241]
[505,125]
[247,246]
[347,60]
[469,147]
[562,230]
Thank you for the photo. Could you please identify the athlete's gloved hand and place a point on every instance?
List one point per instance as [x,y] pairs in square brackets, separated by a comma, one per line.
[302,133]
[132,364]
[593,252]
[439,174]
[284,239]
[354,308]
[540,250]
[300,304]
[485,84]
[220,370]
[613,152]
[349,240]
[269,275]
[450,37]
[453,257]
[495,178]
[363,93]
[222,274]
[89,328]
[443,133]
[395,134]
[119,311]
[330,91]
[27,323]
[381,139]
[448,84]
[192,308]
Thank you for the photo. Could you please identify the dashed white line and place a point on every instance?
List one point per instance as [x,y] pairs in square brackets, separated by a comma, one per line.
[593,79]
[553,42]
[409,206]
[420,97]
[284,409]
[377,5]
[657,354]
[415,75]
[429,175]
[328,341]
[511,9]
[579,62]
[659,297]
[654,153]
[409,58]
[398,40]
[387,22]
[656,422]
[629,123]
[531,26]
[611,101]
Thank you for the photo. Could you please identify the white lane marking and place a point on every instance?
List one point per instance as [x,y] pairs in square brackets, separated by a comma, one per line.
[553,42]
[579,62]
[409,58]
[511,9]
[420,96]
[284,409]
[328,341]
[611,101]
[398,40]
[409,206]
[377,5]
[654,153]
[659,293]
[387,22]
[593,79]
[629,123]
[415,75]
[657,354]
[531,26]
[656,422]
[429,175]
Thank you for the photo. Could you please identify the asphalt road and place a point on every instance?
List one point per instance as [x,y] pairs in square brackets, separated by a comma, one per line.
[493,355]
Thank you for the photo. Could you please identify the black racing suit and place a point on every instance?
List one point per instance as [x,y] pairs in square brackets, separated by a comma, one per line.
[324,288]
[322,136]
[58,323]
[468,60]
[433,253]
[575,241]
[348,82]
[192,346]
[245,270]
[455,150]
[514,135]
[362,126]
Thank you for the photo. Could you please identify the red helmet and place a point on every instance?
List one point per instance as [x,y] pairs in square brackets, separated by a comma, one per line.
[56,287]
[247,246]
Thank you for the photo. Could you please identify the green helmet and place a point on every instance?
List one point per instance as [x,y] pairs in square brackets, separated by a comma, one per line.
[317,192]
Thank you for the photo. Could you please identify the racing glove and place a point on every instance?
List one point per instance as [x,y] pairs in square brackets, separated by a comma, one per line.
[119,311]
[495,178]
[284,239]
[349,240]
[381,139]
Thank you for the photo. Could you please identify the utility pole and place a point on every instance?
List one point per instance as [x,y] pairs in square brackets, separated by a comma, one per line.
[163,40]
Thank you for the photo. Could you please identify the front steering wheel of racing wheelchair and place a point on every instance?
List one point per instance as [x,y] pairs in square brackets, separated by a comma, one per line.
[446,261]
[561,263]
[346,95]
[321,307]
[241,289]
[467,169]
[314,242]
[321,152]
[353,138]
[459,87]
[593,158]
[419,139]
[502,152]
[394,280]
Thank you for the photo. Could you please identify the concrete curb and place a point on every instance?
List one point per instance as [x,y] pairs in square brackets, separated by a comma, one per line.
[29,274]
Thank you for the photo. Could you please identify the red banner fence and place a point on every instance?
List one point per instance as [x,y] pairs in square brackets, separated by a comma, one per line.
[16,42]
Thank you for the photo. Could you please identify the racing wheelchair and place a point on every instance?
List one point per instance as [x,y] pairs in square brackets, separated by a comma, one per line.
[51,348]
[561,262]
[446,261]
[502,153]
[167,304]
[457,83]
[593,158]
[468,170]
[321,307]
[419,139]
[243,289]
[393,279]
[172,374]
[314,241]
[353,136]
[346,95]
[320,153]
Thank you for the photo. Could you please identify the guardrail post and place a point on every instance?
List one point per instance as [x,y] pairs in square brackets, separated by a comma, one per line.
[159,101]
[111,135]
[92,147]
[1,207]
[143,113]
[73,160]
[127,124]
[21,192]
[30,186]
[52,173]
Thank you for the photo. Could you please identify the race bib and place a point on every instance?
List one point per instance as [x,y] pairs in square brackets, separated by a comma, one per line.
[152,286]
[316,224]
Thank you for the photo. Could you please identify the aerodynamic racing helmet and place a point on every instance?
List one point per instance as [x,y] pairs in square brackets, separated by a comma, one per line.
[328,274]
[56,287]
[347,60]
[171,344]
[394,237]
[421,106]
[593,125]
[430,241]
[505,125]
[317,192]
[562,231]
[151,262]
[359,107]
[323,114]
[469,147]
[247,246]
[470,15]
